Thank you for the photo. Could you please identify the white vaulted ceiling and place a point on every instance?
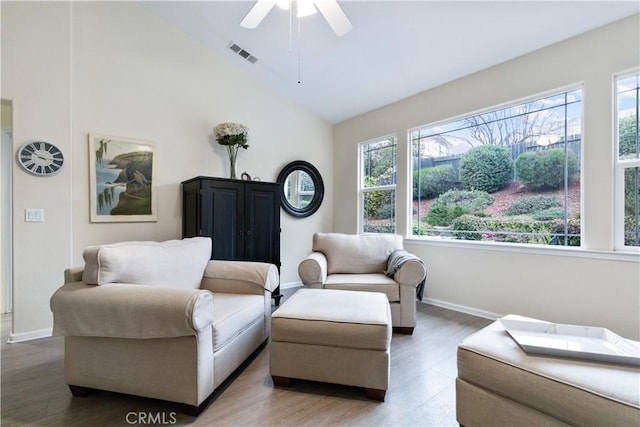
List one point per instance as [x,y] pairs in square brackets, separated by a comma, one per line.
[396,48]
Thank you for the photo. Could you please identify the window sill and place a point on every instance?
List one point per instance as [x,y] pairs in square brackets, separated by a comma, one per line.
[573,252]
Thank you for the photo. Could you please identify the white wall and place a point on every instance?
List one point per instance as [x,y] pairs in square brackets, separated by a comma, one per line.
[112,68]
[36,76]
[569,289]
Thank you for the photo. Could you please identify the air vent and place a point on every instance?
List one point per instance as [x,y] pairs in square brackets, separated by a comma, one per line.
[240,51]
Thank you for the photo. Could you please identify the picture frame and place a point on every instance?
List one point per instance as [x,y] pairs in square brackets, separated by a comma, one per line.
[122,179]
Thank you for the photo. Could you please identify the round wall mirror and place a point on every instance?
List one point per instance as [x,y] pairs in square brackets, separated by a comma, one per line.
[302,188]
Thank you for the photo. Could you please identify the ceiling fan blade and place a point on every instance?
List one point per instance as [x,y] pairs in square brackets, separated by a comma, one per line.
[257,13]
[334,16]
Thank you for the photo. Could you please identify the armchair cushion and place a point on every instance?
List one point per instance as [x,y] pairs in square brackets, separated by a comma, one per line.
[365,282]
[174,263]
[116,311]
[354,253]
[233,314]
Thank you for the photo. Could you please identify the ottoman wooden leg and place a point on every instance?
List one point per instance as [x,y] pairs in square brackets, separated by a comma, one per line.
[281,381]
[374,394]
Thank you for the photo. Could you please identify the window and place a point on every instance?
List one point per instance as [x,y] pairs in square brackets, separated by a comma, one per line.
[507,175]
[378,186]
[299,189]
[627,162]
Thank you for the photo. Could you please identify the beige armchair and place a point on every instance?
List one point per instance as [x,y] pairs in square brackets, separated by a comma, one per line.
[161,320]
[368,262]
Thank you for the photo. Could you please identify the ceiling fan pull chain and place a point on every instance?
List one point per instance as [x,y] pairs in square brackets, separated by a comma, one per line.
[290,28]
[299,50]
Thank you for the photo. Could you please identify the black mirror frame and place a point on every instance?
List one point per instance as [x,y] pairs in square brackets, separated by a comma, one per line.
[316,201]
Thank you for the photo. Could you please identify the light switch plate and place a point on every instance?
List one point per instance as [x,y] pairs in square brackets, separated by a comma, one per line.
[33,215]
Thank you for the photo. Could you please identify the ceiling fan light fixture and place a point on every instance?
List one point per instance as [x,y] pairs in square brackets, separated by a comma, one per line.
[283,4]
[330,9]
[305,8]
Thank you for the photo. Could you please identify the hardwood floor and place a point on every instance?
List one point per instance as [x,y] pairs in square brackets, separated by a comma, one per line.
[421,392]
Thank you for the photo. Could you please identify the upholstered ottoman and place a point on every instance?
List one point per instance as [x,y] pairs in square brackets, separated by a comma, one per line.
[333,336]
[499,384]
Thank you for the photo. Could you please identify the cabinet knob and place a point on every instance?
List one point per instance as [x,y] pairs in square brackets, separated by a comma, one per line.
[248,232]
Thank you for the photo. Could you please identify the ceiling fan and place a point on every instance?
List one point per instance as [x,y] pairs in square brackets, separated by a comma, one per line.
[328,8]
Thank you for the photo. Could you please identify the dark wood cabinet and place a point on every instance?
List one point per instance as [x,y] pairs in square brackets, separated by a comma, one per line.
[241,217]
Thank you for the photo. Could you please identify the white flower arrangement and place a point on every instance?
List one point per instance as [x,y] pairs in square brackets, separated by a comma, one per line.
[233,136]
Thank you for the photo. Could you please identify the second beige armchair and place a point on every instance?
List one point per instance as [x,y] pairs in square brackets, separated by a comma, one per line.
[362,263]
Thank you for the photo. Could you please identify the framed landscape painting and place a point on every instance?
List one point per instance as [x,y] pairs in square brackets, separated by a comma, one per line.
[122,175]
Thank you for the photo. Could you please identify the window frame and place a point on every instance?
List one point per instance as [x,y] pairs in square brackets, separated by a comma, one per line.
[620,166]
[361,184]
[511,103]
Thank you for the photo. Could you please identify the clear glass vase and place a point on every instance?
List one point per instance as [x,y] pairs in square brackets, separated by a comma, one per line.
[233,154]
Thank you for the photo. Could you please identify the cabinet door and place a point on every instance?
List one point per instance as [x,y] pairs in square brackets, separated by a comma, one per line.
[191,219]
[222,213]
[262,223]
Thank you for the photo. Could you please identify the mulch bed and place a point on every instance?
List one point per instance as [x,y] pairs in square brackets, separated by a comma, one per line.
[515,191]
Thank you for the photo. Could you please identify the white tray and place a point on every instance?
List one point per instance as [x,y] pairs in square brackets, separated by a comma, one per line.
[582,342]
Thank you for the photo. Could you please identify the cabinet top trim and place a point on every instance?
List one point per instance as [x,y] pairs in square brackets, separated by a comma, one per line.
[213,178]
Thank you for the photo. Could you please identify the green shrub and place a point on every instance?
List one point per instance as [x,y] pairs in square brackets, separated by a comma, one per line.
[474,200]
[505,230]
[376,201]
[532,204]
[630,230]
[386,211]
[536,232]
[467,227]
[573,233]
[443,215]
[539,170]
[454,203]
[486,168]
[379,228]
[631,190]
[430,182]
[548,214]
[628,137]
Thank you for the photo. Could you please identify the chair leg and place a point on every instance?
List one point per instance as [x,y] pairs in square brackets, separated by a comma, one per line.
[79,391]
[375,394]
[281,381]
[405,330]
[194,411]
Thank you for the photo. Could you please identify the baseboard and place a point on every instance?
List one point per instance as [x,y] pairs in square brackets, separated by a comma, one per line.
[290,285]
[462,308]
[28,336]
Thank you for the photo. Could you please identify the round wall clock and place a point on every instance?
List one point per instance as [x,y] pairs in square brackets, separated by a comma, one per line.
[40,158]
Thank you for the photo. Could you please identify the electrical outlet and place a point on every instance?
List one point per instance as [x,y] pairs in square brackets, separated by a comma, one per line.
[34,215]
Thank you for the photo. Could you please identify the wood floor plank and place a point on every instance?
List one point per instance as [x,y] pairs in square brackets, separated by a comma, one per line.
[421,390]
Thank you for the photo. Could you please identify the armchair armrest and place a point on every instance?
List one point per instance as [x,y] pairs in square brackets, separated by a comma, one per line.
[246,277]
[405,268]
[130,311]
[411,273]
[73,274]
[313,270]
